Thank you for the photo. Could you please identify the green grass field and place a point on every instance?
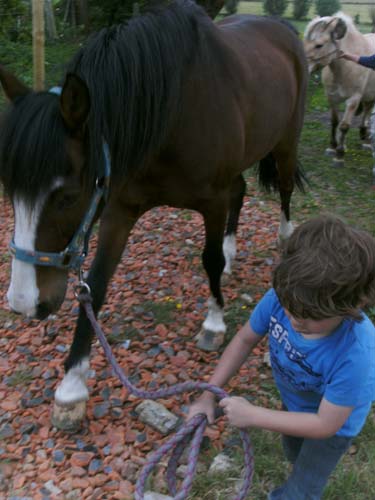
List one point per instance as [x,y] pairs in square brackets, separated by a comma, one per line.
[352,9]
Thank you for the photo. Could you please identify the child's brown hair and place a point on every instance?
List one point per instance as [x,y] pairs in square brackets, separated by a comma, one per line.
[327,269]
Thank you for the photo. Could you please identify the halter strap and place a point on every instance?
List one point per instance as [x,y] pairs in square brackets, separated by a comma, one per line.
[75,253]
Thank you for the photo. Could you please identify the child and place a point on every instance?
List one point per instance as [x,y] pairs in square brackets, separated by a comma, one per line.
[322,350]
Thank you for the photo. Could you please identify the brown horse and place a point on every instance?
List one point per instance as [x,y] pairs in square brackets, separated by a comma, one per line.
[181,106]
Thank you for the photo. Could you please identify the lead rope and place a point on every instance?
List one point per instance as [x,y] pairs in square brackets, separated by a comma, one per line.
[192,430]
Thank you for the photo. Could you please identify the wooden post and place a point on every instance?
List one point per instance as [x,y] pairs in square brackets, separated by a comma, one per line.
[38,44]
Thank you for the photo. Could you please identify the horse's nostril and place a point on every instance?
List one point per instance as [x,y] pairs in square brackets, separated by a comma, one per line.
[43,310]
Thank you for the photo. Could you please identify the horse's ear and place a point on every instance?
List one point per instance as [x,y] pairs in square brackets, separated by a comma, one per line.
[13,87]
[74,103]
[340,29]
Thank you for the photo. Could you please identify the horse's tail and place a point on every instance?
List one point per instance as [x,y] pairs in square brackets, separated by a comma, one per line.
[268,175]
[359,109]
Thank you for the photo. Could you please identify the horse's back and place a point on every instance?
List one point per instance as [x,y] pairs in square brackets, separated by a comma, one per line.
[259,30]
[252,95]
[271,63]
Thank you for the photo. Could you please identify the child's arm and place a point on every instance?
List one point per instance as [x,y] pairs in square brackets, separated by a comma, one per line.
[329,419]
[349,57]
[230,362]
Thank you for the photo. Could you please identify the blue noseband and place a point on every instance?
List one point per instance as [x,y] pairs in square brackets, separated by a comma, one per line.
[74,254]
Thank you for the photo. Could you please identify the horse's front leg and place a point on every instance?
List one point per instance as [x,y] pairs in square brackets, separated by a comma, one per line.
[364,134]
[331,151]
[212,335]
[350,109]
[72,394]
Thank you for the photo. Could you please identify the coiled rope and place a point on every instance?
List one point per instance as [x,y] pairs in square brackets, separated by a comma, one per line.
[190,432]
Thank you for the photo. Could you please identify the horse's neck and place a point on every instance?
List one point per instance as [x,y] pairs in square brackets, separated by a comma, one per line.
[338,68]
[354,42]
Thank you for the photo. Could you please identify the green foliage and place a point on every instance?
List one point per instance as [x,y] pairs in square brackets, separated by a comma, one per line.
[301,8]
[108,12]
[231,6]
[15,20]
[327,7]
[275,7]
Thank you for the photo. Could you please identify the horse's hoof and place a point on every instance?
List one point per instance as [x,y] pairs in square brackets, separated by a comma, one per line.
[69,417]
[338,162]
[210,341]
[330,152]
[366,146]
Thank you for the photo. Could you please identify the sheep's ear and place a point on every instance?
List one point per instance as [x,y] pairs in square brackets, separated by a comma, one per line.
[74,102]
[13,87]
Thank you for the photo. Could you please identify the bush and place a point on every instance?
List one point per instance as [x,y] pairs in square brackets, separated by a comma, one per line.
[301,8]
[275,7]
[231,6]
[327,7]
[15,18]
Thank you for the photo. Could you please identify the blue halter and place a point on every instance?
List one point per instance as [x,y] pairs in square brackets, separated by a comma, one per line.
[75,253]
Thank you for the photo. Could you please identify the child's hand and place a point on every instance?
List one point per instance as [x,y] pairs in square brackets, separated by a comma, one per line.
[204,404]
[348,57]
[237,410]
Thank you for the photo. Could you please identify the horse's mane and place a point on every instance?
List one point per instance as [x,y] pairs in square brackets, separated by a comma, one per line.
[134,73]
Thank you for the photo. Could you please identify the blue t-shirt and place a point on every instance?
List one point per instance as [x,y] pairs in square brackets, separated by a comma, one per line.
[340,367]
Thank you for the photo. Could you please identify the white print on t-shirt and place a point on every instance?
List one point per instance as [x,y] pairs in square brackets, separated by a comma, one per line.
[281,335]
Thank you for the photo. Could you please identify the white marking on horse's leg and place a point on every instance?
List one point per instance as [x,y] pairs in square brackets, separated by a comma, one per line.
[73,387]
[229,249]
[330,152]
[215,317]
[23,293]
[285,228]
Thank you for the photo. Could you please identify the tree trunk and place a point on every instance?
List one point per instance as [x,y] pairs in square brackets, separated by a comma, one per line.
[38,44]
[50,19]
[83,13]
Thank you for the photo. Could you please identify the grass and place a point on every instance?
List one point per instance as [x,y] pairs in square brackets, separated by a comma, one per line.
[352,9]
[21,377]
[353,478]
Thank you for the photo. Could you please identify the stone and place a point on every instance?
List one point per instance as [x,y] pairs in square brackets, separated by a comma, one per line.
[157,416]
[221,463]
[6,431]
[151,495]
[267,359]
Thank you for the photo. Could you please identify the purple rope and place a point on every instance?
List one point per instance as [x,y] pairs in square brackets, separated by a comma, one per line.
[192,430]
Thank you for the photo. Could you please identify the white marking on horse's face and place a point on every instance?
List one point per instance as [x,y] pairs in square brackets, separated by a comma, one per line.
[285,228]
[23,293]
[229,249]
[214,321]
[73,387]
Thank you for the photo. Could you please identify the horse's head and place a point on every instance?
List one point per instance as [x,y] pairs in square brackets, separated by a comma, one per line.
[321,39]
[42,169]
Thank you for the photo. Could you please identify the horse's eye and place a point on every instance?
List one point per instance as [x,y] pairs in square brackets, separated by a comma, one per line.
[66,201]
[318,45]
